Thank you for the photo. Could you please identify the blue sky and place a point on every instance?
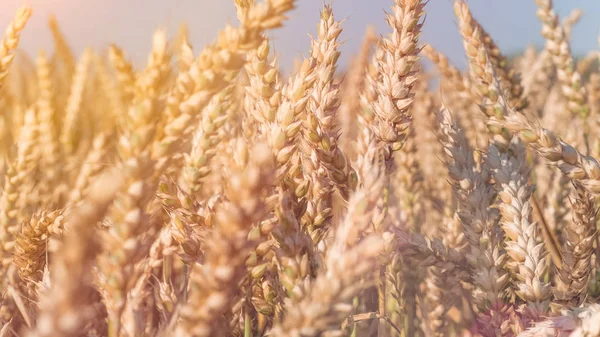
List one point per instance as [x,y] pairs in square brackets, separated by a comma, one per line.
[129,23]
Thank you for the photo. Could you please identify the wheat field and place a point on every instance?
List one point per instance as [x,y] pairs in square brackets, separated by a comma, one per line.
[208,194]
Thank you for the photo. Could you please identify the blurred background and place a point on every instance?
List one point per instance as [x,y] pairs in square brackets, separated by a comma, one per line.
[129,23]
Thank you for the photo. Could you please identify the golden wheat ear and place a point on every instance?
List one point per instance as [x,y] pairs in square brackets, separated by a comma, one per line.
[11,40]
[214,283]
[70,305]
